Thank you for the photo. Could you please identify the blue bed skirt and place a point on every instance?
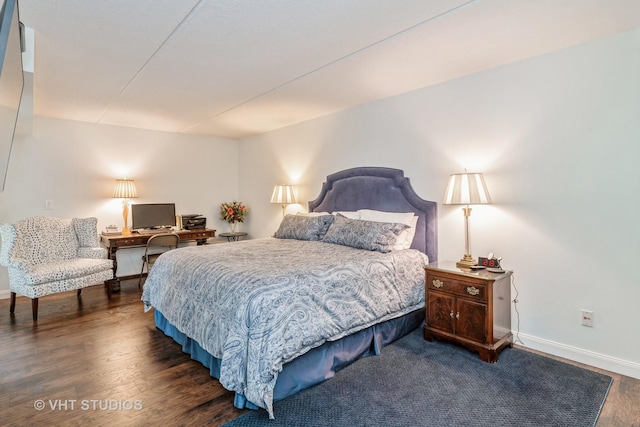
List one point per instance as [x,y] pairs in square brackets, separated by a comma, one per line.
[314,366]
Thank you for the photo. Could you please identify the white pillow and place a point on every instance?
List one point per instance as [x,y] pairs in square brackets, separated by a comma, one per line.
[405,239]
[313,213]
[347,214]
[380,216]
[409,218]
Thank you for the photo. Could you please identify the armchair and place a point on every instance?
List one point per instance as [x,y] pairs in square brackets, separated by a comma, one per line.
[46,255]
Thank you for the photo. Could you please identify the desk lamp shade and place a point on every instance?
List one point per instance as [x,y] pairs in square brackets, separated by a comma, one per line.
[283,194]
[125,189]
[466,189]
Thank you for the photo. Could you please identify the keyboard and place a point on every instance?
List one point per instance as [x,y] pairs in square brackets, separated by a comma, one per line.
[154,230]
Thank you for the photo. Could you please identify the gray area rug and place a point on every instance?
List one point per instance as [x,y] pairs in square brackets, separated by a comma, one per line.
[418,383]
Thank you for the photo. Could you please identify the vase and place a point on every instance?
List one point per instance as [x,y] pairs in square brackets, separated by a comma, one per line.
[234,226]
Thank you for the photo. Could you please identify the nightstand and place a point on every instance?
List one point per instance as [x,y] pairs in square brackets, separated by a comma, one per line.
[468,307]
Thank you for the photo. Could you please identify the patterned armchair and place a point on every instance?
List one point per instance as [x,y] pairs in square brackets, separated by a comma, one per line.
[46,255]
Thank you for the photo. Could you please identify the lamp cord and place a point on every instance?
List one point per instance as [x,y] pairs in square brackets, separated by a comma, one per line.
[515,305]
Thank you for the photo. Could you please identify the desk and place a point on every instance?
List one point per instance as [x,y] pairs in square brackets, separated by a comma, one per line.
[136,240]
[233,237]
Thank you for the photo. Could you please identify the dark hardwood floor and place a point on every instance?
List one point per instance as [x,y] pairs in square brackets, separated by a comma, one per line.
[110,366]
[99,352]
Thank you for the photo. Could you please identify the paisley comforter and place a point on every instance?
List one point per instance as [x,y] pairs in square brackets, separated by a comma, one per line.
[258,304]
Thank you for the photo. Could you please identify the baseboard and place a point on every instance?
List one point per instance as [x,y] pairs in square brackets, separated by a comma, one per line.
[602,361]
[5,294]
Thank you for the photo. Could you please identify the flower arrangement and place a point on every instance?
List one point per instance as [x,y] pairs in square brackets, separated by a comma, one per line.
[233,212]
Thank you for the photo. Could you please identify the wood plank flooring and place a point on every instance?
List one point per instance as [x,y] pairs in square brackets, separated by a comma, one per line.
[99,352]
[103,363]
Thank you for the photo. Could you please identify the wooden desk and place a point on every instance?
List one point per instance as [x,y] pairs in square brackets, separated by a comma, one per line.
[136,240]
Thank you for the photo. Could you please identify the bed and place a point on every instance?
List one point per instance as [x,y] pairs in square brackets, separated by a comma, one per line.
[270,317]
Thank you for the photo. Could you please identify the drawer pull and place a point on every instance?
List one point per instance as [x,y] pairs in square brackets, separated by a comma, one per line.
[472,290]
[451,314]
[458,315]
[437,283]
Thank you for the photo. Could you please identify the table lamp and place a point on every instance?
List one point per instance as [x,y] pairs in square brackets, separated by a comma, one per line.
[466,189]
[125,189]
[283,194]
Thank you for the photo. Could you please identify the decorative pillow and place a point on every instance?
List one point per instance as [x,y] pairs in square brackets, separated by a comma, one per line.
[361,234]
[405,239]
[303,227]
[86,231]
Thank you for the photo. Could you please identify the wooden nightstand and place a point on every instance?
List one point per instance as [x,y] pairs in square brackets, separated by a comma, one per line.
[471,308]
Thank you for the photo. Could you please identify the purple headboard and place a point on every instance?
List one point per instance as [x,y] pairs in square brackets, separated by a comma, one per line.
[382,189]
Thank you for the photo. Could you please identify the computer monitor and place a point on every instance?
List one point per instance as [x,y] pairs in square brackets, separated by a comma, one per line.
[153,215]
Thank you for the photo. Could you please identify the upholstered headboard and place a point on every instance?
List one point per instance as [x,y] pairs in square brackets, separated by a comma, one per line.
[382,189]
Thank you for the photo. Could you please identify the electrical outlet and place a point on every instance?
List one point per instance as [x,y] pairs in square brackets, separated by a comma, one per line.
[587,318]
[49,205]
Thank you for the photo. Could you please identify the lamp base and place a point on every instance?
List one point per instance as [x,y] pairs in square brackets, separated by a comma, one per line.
[466,262]
[125,217]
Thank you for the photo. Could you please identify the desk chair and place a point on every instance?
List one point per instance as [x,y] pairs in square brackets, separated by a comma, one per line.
[167,241]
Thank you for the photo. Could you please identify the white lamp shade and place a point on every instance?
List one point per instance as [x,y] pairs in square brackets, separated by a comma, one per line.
[125,189]
[283,194]
[466,189]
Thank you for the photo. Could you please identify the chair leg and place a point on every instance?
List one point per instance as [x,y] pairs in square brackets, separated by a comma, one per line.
[12,307]
[141,270]
[34,309]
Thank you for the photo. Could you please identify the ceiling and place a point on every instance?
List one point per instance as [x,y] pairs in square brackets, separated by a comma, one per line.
[234,68]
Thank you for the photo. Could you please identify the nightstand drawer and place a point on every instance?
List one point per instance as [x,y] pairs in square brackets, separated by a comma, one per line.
[440,283]
[471,290]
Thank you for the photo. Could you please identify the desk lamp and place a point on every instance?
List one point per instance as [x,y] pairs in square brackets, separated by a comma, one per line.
[125,189]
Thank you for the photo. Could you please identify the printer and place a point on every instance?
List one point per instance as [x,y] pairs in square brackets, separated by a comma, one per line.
[193,222]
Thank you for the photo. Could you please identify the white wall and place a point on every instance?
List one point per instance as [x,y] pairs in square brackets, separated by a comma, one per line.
[76,164]
[558,139]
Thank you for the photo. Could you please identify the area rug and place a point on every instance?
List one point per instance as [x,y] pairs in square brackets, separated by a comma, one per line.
[419,383]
